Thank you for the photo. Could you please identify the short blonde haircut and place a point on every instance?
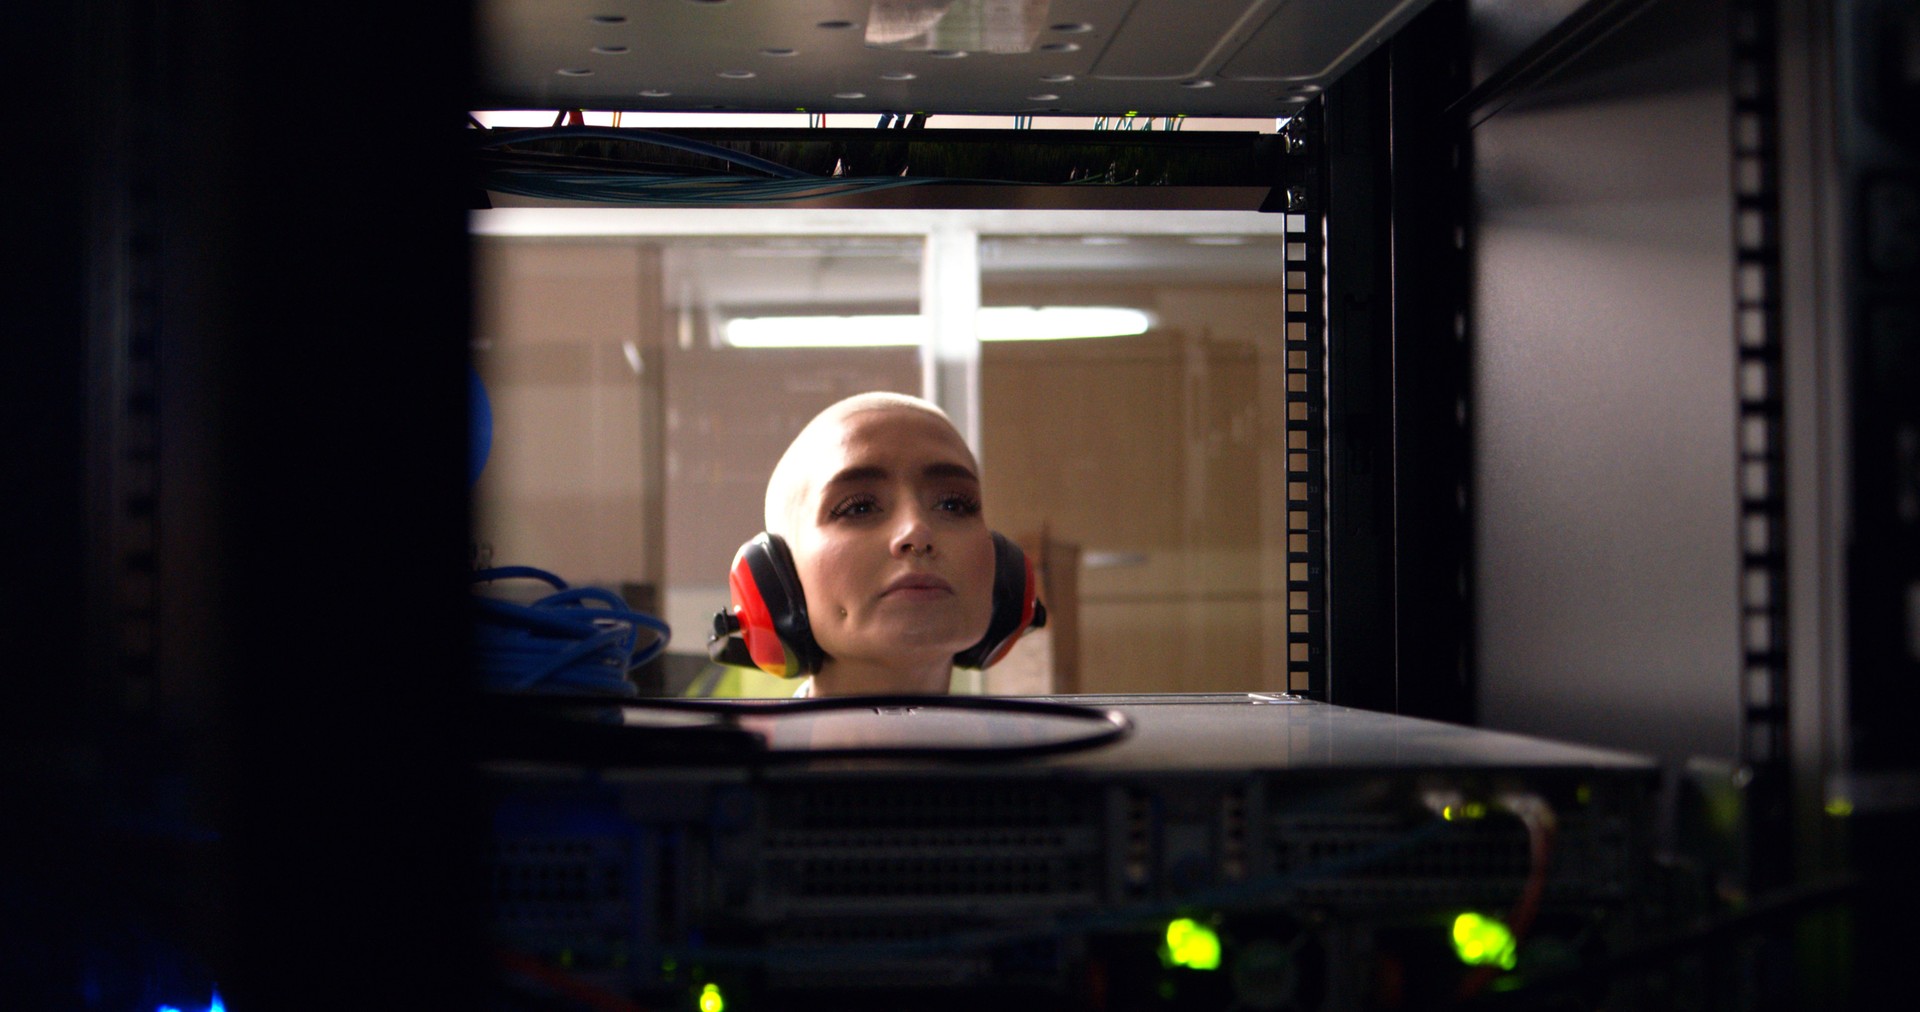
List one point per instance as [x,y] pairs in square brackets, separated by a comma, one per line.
[793,477]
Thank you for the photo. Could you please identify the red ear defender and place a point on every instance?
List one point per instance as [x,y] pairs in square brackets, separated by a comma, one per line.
[1015,606]
[767,625]
[756,625]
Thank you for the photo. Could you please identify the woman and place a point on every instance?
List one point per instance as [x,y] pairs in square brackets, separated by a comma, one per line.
[878,500]
[876,573]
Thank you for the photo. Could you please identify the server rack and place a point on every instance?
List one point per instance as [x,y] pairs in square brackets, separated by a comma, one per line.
[183,467]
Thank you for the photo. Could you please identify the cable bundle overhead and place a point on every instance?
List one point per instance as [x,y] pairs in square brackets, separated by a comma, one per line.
[650,167]
[696,190]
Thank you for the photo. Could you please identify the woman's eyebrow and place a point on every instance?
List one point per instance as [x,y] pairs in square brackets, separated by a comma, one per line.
[872,472]
[867,472]
[947,470]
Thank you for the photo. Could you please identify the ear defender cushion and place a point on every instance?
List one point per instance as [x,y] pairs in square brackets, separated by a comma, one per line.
[1016,608]
[769,612]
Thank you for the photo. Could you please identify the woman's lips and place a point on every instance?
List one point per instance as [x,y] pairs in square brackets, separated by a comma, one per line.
[917,586]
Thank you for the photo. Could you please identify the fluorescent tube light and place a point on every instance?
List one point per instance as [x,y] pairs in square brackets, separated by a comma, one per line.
[1060,323]
[824,331]
[995,323]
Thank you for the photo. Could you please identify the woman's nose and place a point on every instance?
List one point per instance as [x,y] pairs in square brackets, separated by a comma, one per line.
[914,535]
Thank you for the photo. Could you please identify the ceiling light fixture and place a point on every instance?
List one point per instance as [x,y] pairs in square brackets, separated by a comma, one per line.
[995,323]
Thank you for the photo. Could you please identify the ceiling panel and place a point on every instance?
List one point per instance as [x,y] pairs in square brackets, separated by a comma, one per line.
[1239,58]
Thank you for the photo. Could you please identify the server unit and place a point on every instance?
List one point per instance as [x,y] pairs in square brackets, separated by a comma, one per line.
[1256,852]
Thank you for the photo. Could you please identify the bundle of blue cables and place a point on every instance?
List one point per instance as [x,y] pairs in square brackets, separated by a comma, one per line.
[574,640]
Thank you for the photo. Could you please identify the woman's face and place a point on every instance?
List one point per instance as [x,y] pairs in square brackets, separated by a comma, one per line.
[893,552]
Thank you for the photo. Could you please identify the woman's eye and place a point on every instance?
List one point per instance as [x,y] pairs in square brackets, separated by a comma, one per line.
[854,506]
[964,505]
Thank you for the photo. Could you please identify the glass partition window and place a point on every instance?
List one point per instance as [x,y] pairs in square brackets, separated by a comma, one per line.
[1154,462]
[1126,393]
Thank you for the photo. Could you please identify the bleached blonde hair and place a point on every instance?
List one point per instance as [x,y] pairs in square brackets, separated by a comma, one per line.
[793,477]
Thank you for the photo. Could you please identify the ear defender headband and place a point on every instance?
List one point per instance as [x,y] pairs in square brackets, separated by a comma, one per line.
[767,626]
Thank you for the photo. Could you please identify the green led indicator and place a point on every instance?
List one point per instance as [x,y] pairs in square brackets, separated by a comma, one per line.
[1483,941]
[710,999]
[1192,945]
[1839,807]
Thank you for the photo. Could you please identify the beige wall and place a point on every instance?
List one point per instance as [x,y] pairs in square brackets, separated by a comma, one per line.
[558,331]
[1158,457]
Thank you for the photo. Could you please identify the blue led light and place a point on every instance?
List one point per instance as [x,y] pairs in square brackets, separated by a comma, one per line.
[214,1006]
